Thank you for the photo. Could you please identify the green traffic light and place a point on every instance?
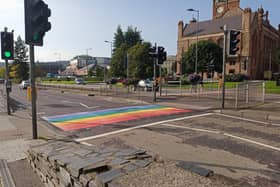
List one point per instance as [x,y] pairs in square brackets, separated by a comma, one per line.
[7,54]
[36,37]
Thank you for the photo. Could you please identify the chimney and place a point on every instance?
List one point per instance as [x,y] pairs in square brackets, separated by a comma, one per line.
[180,29]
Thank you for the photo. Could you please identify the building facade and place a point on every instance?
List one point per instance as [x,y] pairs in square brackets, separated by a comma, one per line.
[258,40]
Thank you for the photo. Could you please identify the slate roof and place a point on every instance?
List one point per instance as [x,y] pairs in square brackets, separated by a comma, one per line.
[213,26]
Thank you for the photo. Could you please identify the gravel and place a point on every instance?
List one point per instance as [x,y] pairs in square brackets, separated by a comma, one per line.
[167,174]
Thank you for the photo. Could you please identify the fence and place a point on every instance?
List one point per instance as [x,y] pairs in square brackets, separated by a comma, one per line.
[249,94]
[241,95]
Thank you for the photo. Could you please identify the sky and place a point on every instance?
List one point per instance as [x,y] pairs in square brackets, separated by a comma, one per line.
[78,25]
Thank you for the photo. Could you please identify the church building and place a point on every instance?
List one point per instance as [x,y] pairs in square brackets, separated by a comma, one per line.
[258,40]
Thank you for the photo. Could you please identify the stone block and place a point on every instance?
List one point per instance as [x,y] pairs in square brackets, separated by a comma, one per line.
[64,176]
[76,166]
[119,161]
[108,176]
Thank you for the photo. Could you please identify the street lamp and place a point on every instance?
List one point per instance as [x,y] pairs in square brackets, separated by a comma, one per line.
[111,43]
[197,30]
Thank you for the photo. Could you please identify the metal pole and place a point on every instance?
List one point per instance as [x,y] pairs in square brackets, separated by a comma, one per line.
[196,50]
[160,80]
[224,66]
[154,83]
[7,80]
[127,62]
[33,93]
[7,91]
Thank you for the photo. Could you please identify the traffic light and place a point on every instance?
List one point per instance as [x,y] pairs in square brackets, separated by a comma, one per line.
[36,21]
[233,42]
[153,52]
[7,45]
[161,55]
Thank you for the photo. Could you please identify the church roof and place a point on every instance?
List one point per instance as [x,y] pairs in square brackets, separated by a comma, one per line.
[213,26]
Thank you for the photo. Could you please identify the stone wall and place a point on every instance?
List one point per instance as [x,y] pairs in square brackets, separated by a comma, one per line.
[66,164]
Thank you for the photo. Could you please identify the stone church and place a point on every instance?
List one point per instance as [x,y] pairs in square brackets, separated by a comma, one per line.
[259,39]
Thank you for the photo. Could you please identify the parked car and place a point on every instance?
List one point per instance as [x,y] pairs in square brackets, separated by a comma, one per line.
[24,84]
[146,85]
[2,81]
[80,81]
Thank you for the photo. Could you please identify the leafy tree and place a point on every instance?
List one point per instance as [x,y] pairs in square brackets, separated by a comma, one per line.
[19,68]
[208,53]
[140,64]
[2,72]
[118,38]
[91,71]
[118,63]
[123,41]
[132,36]
[99,71]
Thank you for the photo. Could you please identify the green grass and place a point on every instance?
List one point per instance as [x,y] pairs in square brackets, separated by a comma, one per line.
[270,87]
[59,82]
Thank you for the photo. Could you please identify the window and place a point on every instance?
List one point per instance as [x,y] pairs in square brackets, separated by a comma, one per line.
[232,62]
[231,71]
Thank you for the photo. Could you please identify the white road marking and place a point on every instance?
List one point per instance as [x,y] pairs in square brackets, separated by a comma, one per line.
[225,134]
[88,107]
[82,104]
[87,144]
[190,128]
[141,126]
[250,120]
[41,113]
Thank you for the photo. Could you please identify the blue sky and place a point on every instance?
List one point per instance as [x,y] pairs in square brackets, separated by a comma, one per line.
[81,24]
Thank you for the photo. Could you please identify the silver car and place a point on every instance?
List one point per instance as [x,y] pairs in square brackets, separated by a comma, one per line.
[24,84]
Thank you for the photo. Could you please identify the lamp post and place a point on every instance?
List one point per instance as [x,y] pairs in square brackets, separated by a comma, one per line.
[111,44]
[197,30]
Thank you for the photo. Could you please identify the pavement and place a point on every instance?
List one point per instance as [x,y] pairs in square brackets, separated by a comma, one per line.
[229,142]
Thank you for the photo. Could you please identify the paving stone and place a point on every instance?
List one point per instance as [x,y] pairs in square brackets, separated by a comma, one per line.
[142,163]
[110,175]
[119,161]
[77,166]
[125,152]
[130,167]
[194,168]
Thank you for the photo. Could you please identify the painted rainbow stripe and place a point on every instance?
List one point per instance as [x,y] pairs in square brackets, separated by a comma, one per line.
[83,120]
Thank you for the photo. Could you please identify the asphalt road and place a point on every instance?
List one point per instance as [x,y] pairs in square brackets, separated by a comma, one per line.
[54,102]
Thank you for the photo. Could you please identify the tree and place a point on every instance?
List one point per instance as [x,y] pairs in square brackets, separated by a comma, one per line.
[19,68]
[140,64]
[122,43]
[118,63]
[208,53]
[99,71]
[119,38]
[132,36]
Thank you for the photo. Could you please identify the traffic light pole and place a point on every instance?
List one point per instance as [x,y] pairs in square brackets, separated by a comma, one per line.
[33,93]
[7,91]
[224,65]
[154,82]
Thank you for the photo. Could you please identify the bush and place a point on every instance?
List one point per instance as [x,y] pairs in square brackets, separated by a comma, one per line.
[236,78]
